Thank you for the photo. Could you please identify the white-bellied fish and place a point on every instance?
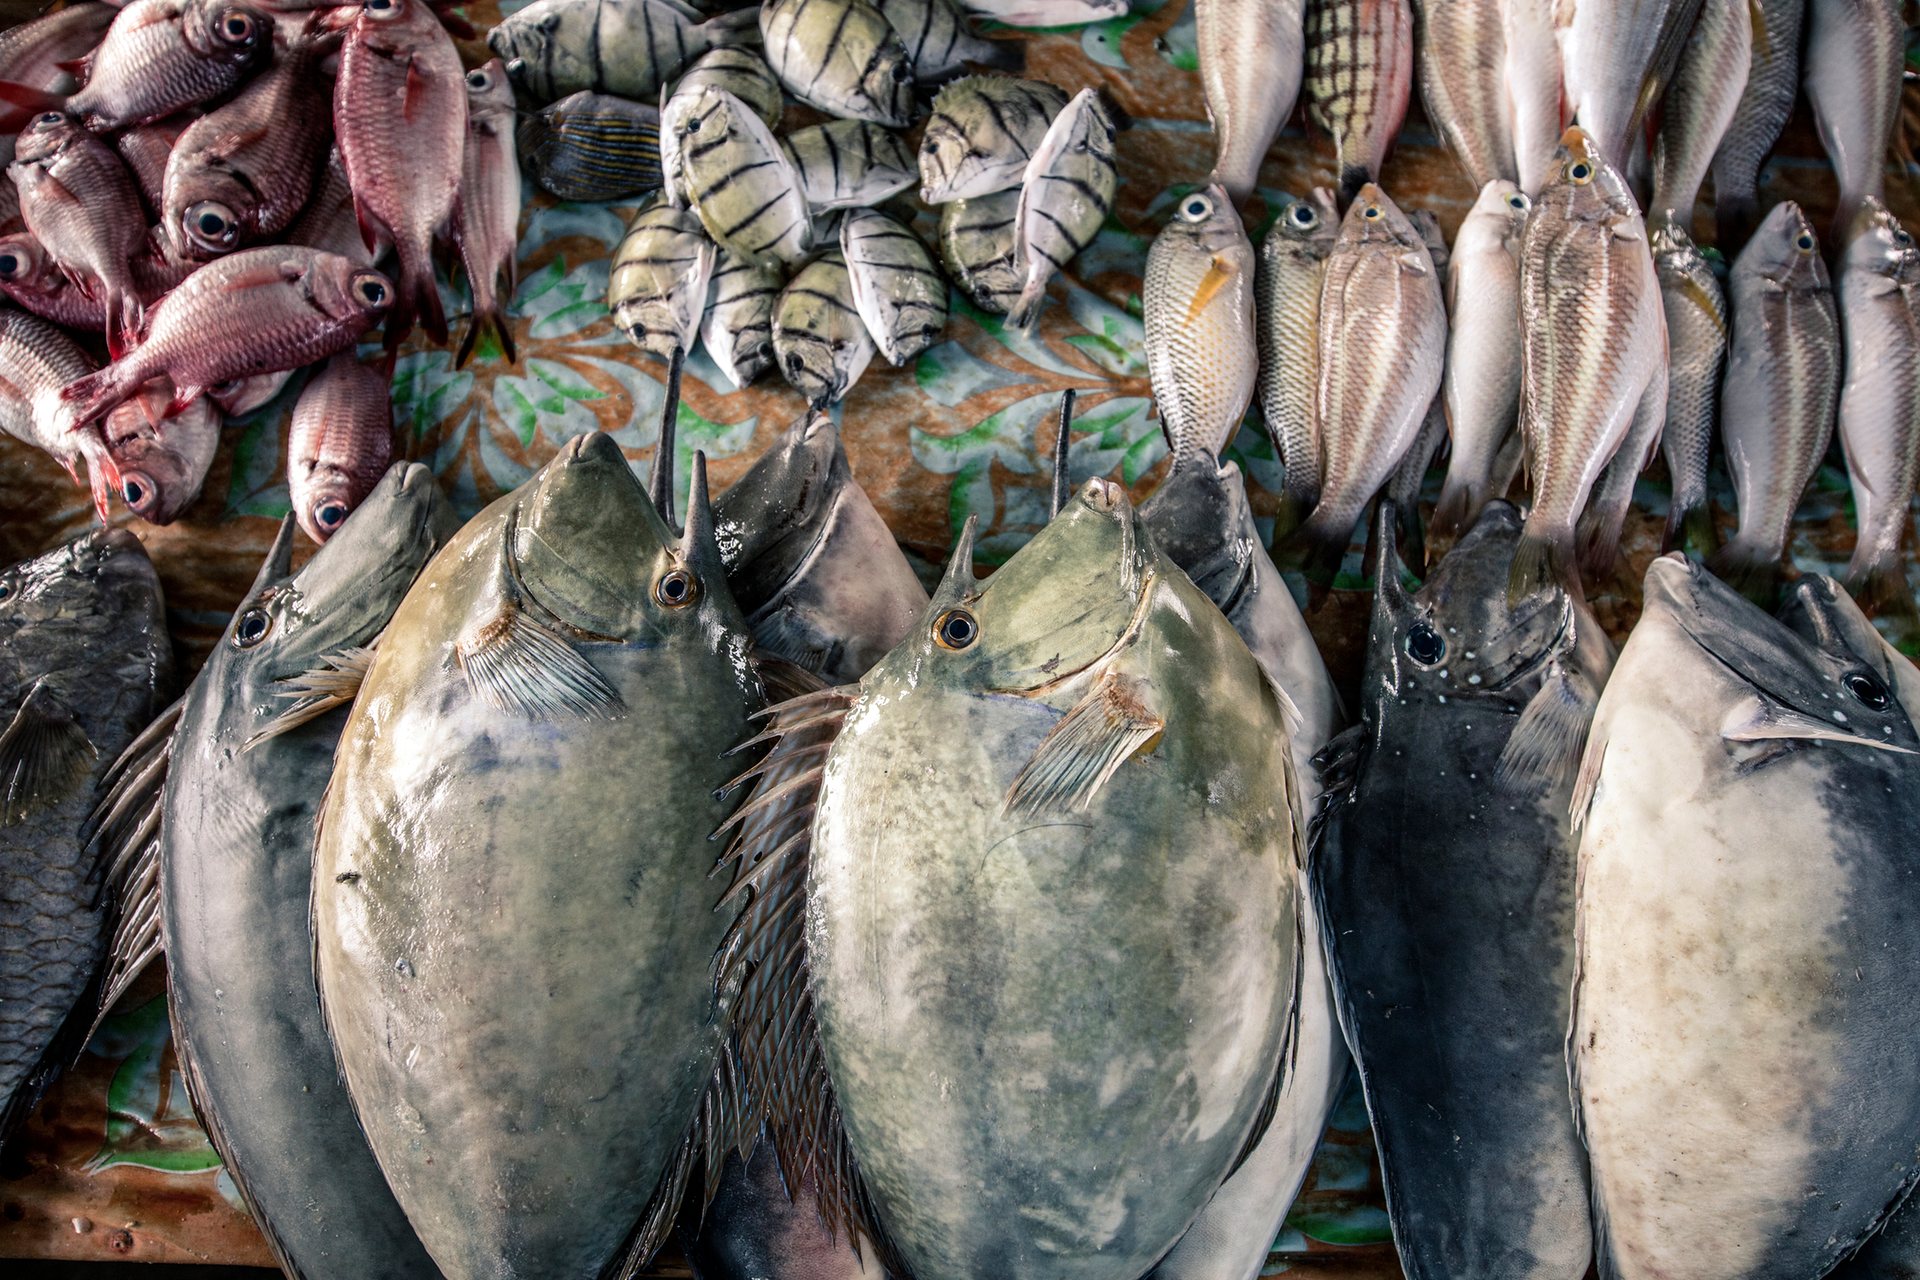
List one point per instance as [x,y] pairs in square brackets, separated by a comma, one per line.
[1700,104]
[1287,281]
[657,287]
[982,134]
[1462,49]
[1252,58]
[979,246]
[739,179]
[819,341]
[1065,199]
[1855,67]
[630,48]
[900,295]
[737,330]
[1530,70]
[1615,58]
[1359,77]
[1696,311]
[1197,303]
[851,164]
[1773,85]
[840,56]
[939,41]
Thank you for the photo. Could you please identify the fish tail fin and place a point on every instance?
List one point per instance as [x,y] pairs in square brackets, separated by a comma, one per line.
[1316,548]
[92,397]
[103,476]
[1296,506]
[1000,55]
[488,317]
[1881,587]
[1690,528]
[1352,178]
[1460,501]
[737,26]
[1600,535]
[1413,533]
[24,100]
[1026,308]
[1734,216]
[123,316]
[418,300]
[1544,560]
[1748,569]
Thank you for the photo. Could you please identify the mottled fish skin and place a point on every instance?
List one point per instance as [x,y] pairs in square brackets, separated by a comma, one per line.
[163,56]
[1463,57]
[741,182]
[163,460]
[1252,58]
[1197,300]
[338,444]
[979,245]
[85,664]
[1700,103]
[1065,198]
[1878,291]
[1696,311]
[1443,867]
[593,146]
[851,164]
[900,295]
[939,41]
[1359,76]
[1743,996]
[657,287]
[1773,83]
[38,360]
[1531,71]
[1612,56]
[737,330]
[819,341]
[1780,393]
[629,48]
[1481,385]
[486,219]
[1287,283]
[840,56]
[1856,59]
[982,134]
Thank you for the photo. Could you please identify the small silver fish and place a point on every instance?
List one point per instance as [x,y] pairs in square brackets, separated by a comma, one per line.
[1696,309]
[339,443]
[1773,85]
[1252,55]
[486,221]
[1197,298]
[593,147]
[630,48]
[850,164]
[840,56]
[738,329]
[1065,198]
[1700,103]
[982,134]
[1287,281]
[1856,56]
[819,340]
[900,295]
[657,287]
[979,247]
[739,179]
[163,457]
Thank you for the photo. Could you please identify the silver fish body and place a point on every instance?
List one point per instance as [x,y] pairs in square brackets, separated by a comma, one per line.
[1700,103]
[329,223]
[851,164]
[737,330]
[939,41]
[900,295]
[1855,64]
[1252,58]
[338,444]
[1773,85]
[1287,284]
[1463,57]
[1530,69]
[1696,311]
[1065,198]
[629,48]
[657,287]
[593,146]
[819,341]
[979,245]
[1359,76]
[841,56]
[1612,53]
[1197,301]
[982,135]
[163,458]
[742,73]
[741,182]
[163,56]
[146,148]
[37,361]
[486,221]
[1046,13]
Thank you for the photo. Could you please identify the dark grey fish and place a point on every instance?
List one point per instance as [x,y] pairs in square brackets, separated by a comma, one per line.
[593,146]
[85,664]
[1443,867]
[233,777]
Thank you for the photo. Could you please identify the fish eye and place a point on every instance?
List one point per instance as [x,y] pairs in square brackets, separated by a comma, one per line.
[252,628]
[479,80]
[1518,201]
[236,26]
[1580,171]
[10,265]
[1900,236]
[902,72]
[1196,208]
[384,8]
[1867,691]
[955,629]
[1304,215]
[1804,242]
[330,515]
[1371,213]
[1425,645]
[212,225]
[6,591]
[137,490]
[693,124]
[372,288]
[51,117]
[676,588]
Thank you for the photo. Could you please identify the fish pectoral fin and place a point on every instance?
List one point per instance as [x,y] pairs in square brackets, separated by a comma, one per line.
[1113,723]
[333,683]
[1547,743]
[1219,272]
[516,665]
[44,754]
[1764,720]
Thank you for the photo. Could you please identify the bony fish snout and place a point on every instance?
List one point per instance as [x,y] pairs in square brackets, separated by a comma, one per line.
[595,446]
[1103,495]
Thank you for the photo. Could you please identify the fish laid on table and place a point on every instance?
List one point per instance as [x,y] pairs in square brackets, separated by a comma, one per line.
[566,633]
[163,458]
[38,360]
[1593,350]
[840,56]
[339,443]
[1197,304]
[1443,867]
[329,222]
[240,396]
[737,330]
[85,664]
[1065,198]
[742,73]
[979,247]
[1409,477]
[1878,291]
[851,164]
[630,48]
[256,311]
[1616,56]
[1462,50]
[1287,283]
[1252,56]
[403,166]
[996,1098]
[819,341]
[741,182]
[146,148]
[1744,934]
[1481,384]
[900,295]
[1700,103]
[1855,67]
[982,133]
[486,219]
[1696,311]
[1047,13]
[1359,76]
[657,286]
[33,280]
[211,818]
[1383,340]
[1530,69]
[1780,393]
[939,42]
[594,147]
[1773,84]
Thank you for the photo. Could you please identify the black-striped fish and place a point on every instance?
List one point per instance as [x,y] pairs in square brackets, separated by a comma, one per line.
[593,146]
[978,247]
[738,177]
[900,295]
[820,341]
[738,329]
[840,56]
[1065,197]
[940,42]
[632,48]
[1359,75]
[740,72]
[657,287]
[983,132]
[851,164]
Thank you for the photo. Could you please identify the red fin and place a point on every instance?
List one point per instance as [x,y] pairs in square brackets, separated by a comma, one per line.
[417,85]
[369,226]
[76,67]
[29,98]
[182,397]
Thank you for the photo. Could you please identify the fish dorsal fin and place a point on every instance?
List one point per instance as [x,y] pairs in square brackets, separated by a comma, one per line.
[333,682]
[1062,474]
[660,478]
[958,582]
[1107,727]
[699,544]
[279,561]
[44,754]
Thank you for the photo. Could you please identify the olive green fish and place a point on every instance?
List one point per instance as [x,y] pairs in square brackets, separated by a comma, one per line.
[982,134]
[851,164]
[1065,197]
[737,330]
[840,56]
[900,295]
[819,340]
[739,179]
[632,48]
[979,247]
[657,287]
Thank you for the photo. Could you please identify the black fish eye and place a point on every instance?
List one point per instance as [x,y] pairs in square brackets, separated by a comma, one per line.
[902,72]
[236,26]
[1516,201]
[676,588]
[331,516]
[1196,208]
[478,79]
[1901,237]
[956,629]
[9,265]
[252,628]
[1425,645]
[1804,242]
[6,590]
[213,225]
[694,123]
[1580,172]
[372,289]
[133,492]
[1867,691]
[1372,211]
[51,117]
[1304,216]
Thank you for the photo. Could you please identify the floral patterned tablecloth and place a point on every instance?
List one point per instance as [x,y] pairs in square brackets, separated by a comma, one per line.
[115,1166]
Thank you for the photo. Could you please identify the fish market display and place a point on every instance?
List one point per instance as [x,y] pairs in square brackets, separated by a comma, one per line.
[742,73]
[1744,940]
[938,40]
[850,164]
[1463,56]
[594,146]
[1700,103]
[1287,283]
[657,287]
[162,457]
[329,221]
[1065,198]
[85,663]
[567,633]
[840,56]
[486,220]
[1615,59]
[739,179]
[979,247]
[40,54]
[1773,83]
[1696,311]
[1530,70]
[1359,75]
[1198,303]
[1781,389]
[629,48]
[36,362]
[982,134]
[212,815]
[819,341]
[339,444]
[737,330]
[1444,872]
[1252,56]
[1856,51]
[899,295]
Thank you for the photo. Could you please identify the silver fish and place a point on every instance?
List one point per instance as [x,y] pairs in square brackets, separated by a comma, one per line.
[486,222]
[1616,56]
[1197,303]
[982,134]
[1252,57]
[819,340]
[900,295]
[37,361]
[737,330]
[979,247]
[840,56]
[939,42]
[851,164]
[739,179]
[1046,13]
[338,444]
[1287,283]
[593,147]
[1773,85]
[1696,310]
[1463,57]
[163,457]
[628,48]
[1065,198]
[1359,77]
[1856,56]
[1700,103]
[1531,72]
[657,287]
[742,73]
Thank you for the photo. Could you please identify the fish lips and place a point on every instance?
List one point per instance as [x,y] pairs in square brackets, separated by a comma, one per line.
[770,522]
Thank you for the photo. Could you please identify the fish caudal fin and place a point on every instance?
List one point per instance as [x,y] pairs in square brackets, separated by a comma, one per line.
[491,318]
[103,474]
[418,300]
[1026,308]
[97,394]
[1317,548]
[1752,571]
[1600,534]
[1690,528]
[1883,592]
[1544,560]
[999,55]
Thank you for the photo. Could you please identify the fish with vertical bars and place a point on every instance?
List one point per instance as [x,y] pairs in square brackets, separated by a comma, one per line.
[982,133]
[900,295]
[1359,77]
[632,48]
[841,56]
[940,42]
[657,286]
[980,248]
[1065,198]
[819,340]
[737,330]
[850,164]
[741,182]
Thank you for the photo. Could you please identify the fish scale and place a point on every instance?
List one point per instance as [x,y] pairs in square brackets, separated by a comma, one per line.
[1700,103]
[163,56]
[740,180]
[1287,283]
[1855,65]
[1696,310]
[839,56]
[1462,56]
[982,134]
[1251,61]
[1197,305]
[1359,75]
[338,444]
[738,329]
[594,146]
[1773,84]
[819,339]
[36,361]
[657,286]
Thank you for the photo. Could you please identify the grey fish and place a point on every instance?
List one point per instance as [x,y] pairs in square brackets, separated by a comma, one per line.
[212,814]
[38,361]
[486,221]
[1745,802]
[1359,77]
[1773,84]
[564,629]
[1700,103]
[851,164]
[900,295]
[840,56]
[85,664]
[1197,303]
[1616,57]
[1696,310]
[1252,56]
[1531,70]
[981,135]
[979,247]
[163,457]
[1856,59]
[1449,917]
[740,181]
[1287,283]
[742,73]
[593,146]
[1065,198]
[629,48]
[819,341]
[242,396]
[657,288]
[939,41]
[737,330]
[1462,52]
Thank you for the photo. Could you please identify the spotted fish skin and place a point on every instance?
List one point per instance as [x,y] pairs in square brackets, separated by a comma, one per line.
[1287,283]
[850,164]
[900,295]
[657,287]
[1856,55]
[1064,199]
[840,56]
[979,245]
[741,182]
[982,134]
[1700,103]
[1359,77]
[630,48]
[1773,84]
[1252,57]
[593,146]
[738,328]
[819,340]
[1463,53]
[1696,310]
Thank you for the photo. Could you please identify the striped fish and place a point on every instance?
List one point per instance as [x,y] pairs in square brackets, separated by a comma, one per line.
[1293,262]
[738,329]
[1616,57]
[978,247]
[739,72]
[632,48]
[1696,309]
[1064,199]
[657,285]
[1359,75]
[850,164]
[940,42]
[1855,59]
[593,146]
[1773,85]
[899,294]
[839,56]
[738,177]
[819,340]
[1700,103]
[1461,46]
[983,132]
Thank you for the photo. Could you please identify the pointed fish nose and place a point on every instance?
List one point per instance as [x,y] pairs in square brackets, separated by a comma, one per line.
[595,446]
[1104,495]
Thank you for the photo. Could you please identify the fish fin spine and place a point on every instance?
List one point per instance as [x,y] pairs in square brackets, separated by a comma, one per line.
[1110,725]
[518,666]
[333,682]
[44,754]
[1545,747]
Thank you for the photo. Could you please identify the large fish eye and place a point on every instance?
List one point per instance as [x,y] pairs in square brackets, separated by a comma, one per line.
[236,27]
[1519,201]
[676,588]
[902,72]
[955,629]
[6,591]
[1372,213]
[51,117]
[1901,238]
[1425,645]
[1804,242]
[212,225]
[382,8]
[1304,215]
[1867,691]
[137,490]
[372,288]
[478,80]
[252,628]
[330,515]
[11,266]
[1196,208]
[1580,173]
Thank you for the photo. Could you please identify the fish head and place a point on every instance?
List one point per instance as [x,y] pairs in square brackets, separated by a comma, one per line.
[347,292]
[1310,222]
[706,115]
[947,162]
[1373,219]
[1877,243]
[92,587]
[392,26]
[208,207]
[772,518]
[1502,203]
[1785,250]
[1195,517]
[887,83]
[489,92]
[530,45]
[1204,221]
[46,136]
[240,396]
[25,265]
[1582,185]
[1820,676]
[225,32]
[162,460]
